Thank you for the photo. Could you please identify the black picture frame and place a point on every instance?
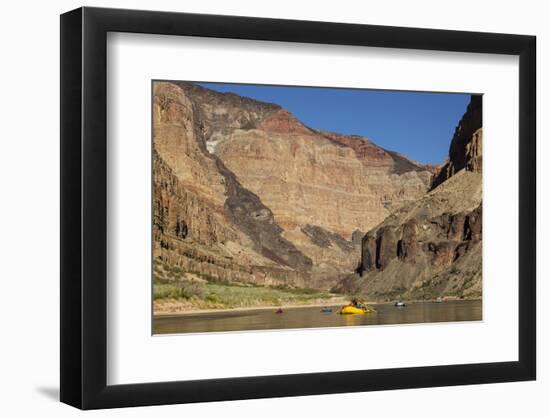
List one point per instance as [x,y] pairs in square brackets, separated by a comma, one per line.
[84,207]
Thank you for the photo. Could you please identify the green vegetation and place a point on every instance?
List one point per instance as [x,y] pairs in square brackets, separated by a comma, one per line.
[206,292]
[210,295]
[186,290]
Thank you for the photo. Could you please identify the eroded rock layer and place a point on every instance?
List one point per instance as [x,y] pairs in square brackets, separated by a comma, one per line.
[465,151]
[245,191]
[203,219]
[431,247]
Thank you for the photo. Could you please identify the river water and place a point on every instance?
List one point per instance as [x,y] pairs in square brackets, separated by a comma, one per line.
[308,317]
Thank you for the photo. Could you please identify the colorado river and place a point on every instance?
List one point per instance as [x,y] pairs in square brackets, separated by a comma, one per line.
[308,317]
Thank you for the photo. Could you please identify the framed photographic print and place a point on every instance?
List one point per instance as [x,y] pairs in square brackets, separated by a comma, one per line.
[257,208]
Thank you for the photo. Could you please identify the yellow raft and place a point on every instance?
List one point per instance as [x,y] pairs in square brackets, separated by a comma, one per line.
[355,310]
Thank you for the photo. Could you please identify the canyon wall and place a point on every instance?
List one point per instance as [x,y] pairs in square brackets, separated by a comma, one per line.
[245,191]
[203,219]
[465,151]
[431,247]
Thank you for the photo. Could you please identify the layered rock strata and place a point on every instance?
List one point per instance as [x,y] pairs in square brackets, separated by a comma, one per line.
[431,247]
[245,191]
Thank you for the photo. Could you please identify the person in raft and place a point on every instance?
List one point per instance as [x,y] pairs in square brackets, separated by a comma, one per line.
[356,303]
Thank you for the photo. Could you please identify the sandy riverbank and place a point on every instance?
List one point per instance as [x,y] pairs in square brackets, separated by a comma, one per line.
[172,308]
[175,308]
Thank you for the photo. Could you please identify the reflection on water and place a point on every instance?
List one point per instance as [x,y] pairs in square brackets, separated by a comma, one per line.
[307,317]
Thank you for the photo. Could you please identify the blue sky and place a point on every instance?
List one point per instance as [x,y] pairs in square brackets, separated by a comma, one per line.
[418,125]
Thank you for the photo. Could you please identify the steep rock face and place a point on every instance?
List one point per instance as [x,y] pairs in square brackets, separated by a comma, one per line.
[408,246]
[244,191]
[394,178]
[431,247]
[303,178]
[465,151]
[309,177]
[314,183]
[306,178]
[203,219]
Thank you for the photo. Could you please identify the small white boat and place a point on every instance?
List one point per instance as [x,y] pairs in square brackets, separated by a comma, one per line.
[399,304]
